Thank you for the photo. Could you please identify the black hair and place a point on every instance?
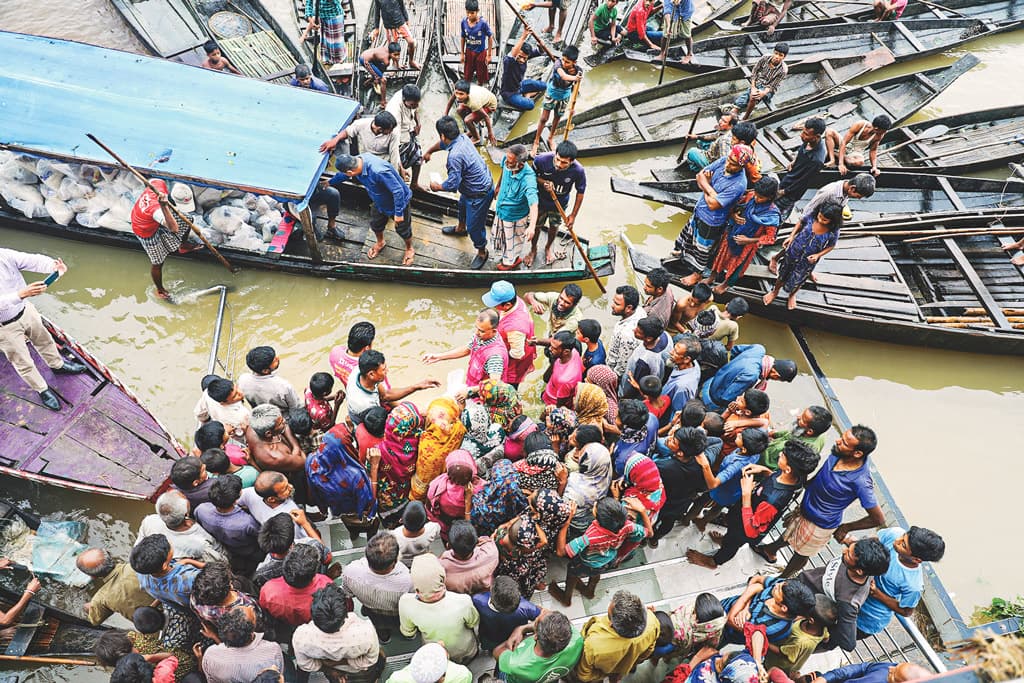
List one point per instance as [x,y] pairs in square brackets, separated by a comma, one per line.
[825,611]
[300,565]
[212,584]
[374,420]
[766,186]
[150,554]
[650,386]
[209,435]
[277,534]
[872,556]
[798,598]
[782,48]
[566,339]
[572,53]
[210,45]
[462,537]
[707,608]
[628,614]
[220,389]
[707,316]
[553,633]
[385,120]
[833,212]
[867,440]
[447,127]
[633,413]
[701,292]
[207,380]
[536,441]
[737,307]
[802,459]
[299,421]
[148,620]
[651,327]
[381,551]
[260,359]
[757,401]
[693,413]
[567,150]
[410,93]
[587,434]
[665,628]
[817,125]
[692,441]
[321,383]
[234,628]
[745,132]
[610,514]
[472,6]
[658,277]
[361,334]
[925,544]
[462,85]
[216,460]
[184,471]
[821,419]
[132,668]
[881,122]
[329,609]
[414,517]
[394,46]
[111,646]
[630,295]
[225,490]
[590,329]
[713,424]
[573,291]
[369,361]
[755,439]
[505,594]
[713,355]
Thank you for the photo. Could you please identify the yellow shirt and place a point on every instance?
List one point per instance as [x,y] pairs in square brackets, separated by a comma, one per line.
[795,650]
[606,653]
[480,97]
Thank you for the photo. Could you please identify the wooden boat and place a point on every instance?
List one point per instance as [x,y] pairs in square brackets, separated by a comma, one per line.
[449,37]
[46,635]
[246,32]
[663,114]
[899,97]
[896,194]
[960,293]
[351,42]
[421,25]
[103,440]
[905,39]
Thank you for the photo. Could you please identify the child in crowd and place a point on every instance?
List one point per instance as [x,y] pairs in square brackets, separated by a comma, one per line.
[416,534]
[724,488]
[690,630]
[728,329]
[810,427]
[773,603]
[216,61]
[520,428]
[222,401]
[301,425]
[213,435]
[218,463]
[477,45]
[564,76]
[656,402]
[588,333]
[318,399]
[262,385]
[502,609]
[370,432]
[750,409]
[808,632]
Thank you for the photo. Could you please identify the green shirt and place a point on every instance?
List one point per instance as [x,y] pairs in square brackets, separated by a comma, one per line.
[119,592]
[794,650]
[523,665]
[248,475]
[604,16]
[456,673]
[555,324]
[775,446]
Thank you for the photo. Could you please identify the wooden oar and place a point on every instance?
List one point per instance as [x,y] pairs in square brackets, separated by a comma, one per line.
[933,132]
[664,48]
[572,233]
[686,143]
[174,209]
[28,659]
[572,108]
[526,26]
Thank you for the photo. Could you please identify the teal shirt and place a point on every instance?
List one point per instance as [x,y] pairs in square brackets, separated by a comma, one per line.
[523,665]
[517,194]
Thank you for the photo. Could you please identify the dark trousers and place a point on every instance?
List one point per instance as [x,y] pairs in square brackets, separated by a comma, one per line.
[473,212]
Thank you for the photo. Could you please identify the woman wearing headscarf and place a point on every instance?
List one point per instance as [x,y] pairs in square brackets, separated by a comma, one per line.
[449,496]
[559,423]
[520,428]
[605,379]
[591,405]
[337,482]
[541,468]
[443,434]
[592,476]
[501,400]
[641,490]
[521,546]
[483,439]
[498,501]
[398,453]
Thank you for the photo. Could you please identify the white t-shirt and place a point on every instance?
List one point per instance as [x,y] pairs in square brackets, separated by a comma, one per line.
[195,543]
[359,398]
[259,509]
[409,548]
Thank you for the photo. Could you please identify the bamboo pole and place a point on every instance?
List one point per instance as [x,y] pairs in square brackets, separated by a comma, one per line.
[572,108]
[982,311]
[961,326]
[967,319]
[942,234]
[572,233]
[28,659]
[686,142]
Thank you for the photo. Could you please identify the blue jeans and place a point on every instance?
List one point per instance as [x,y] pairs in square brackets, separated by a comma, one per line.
[519,100]
[654,36]
[473,212]
[744,99]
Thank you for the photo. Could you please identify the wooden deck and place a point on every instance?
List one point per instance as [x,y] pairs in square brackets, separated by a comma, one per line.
[421,25]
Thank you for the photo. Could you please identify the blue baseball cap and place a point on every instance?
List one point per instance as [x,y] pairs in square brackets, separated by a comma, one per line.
[501,292]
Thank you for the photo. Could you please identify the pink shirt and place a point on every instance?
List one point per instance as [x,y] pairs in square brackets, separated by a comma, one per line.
[291,605]
[564,378]
[342,365]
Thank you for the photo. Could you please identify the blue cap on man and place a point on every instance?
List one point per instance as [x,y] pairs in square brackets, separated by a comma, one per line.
[501,292]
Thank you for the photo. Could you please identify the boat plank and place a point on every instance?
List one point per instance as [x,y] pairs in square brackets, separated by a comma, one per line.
[865,303]
[845,267]
[635,118]
[878,252]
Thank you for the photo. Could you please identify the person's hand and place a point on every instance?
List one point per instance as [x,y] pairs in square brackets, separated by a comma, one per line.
[875,171]
[702,460]
[399,218]
[327,146]
[406,175]
[33,585]
[529,233]
[616,488]
[373,455]
[298,516]
[546,184]
[840,534]
[814,258]
[197,650]
[60,266]
[740,239]
[426,157]
[747,482]
[632,381]
[593,41]
[537,307]
[429,358]
[462,58]
[677,418]
[5,563]
[762,675]
[741,617]
[428,383]
[561,473]
[842,169]
[570,220]
[572,510]
[34,289]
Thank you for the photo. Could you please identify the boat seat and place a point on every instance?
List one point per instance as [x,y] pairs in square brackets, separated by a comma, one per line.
[25,631]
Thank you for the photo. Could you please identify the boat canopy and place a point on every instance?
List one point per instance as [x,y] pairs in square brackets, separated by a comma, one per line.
[167,119]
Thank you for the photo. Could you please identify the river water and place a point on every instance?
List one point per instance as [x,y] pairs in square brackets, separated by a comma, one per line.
[945,419]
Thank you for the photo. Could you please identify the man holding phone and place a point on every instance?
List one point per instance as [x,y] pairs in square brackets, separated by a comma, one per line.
[20,321]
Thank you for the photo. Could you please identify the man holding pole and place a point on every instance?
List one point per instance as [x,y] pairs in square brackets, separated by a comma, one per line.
[159,231]
[678,15]
[561,172]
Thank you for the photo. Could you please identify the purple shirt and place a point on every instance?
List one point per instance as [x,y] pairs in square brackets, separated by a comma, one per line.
[198,495]
[563,181]
[476,35]
[831,492]
[237,529]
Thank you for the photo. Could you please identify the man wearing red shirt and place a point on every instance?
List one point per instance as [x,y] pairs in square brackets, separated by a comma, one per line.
[158,230]
[288,598]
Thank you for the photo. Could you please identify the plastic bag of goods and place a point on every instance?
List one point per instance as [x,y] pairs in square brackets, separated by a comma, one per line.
[89,219]
[227,219]
[16,172]
[267,225]
[89,173]
[11,190]
[59,211]
[109,220]
[207,197]
[70,188]
[31,209]
[246,238]
[78,204]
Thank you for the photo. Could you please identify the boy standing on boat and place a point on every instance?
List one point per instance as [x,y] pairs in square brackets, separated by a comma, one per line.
[564,75]
[395,18]
[477,45]
[159,232]
[561,172]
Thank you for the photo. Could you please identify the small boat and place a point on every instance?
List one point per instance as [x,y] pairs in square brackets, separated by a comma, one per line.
[421,26]
[351,42]
[905,39]
[662,114]
[959,293]
[448,28]
[896,194]
[47,635]
[103,440]
[248,35]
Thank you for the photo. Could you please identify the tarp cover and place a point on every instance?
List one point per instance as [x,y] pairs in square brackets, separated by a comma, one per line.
[212,128]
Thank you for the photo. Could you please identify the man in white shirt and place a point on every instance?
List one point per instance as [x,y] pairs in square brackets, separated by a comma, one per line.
[625,305]
[377,136]
[405,107]
[186,537]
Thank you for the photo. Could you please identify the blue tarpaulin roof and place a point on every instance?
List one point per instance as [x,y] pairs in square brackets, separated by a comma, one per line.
[214,128]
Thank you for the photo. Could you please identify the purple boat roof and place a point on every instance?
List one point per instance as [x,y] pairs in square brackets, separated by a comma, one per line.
[102,440]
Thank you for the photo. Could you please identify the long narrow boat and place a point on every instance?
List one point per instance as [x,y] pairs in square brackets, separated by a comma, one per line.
[45,633]
[448,29]
[103,440]
[246,32]
[898,97]
[959,292]
[273,154]
[905,39]
[663,114]
[351,42]
[421,26]
[896,194]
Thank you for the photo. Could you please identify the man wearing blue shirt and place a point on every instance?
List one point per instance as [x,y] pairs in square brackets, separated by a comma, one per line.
[389,198]
[682,384]
[516,208]
[874,672]
[750,368]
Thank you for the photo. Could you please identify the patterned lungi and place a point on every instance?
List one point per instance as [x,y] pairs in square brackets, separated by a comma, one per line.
[163,243]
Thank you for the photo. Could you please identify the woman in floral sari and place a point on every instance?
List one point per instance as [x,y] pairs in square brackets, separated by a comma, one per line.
[443,434]
[398,452]
[501,401]
[498,501]
[751,225]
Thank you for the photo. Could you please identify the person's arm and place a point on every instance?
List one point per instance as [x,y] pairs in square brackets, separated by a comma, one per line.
[397,188]
[873,155]
[516,344]
[462,48]
[451,354]
[373,459]
[490,44]
[889,601]
[299,517]
[448,108]
[398,393]
[295,458]
[518,47]
[854,130]
[560,543]
[231,67]
[329,145]
[710,479]
[454,179]
[874,519]
[406,625]
[710,194]
[10,617]
[593,33]
[844,633]
[571,218]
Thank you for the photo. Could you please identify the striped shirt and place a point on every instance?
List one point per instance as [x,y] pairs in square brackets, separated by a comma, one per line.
[377,592]
[223,664]
[768,75]
[174,586]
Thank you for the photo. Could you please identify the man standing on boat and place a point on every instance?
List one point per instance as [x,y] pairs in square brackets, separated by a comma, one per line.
[20,322]
[159,232]
[389,197]
[561,172]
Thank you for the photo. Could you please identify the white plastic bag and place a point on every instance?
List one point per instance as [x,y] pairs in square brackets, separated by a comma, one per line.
[70,189]
[59,211]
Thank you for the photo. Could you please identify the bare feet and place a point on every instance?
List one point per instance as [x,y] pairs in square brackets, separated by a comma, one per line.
[708,280]
[1018,260]
[375,250]
[557,38]
[552,254]
[720,289]
[559,595]
[533,152]
[408,256]
[700,559]
[768,298]
[763,553]
[163,294]
[551,143]
[589,588]
[690,280]
[773,265]
[528,259]
[814,277]
[549,29]
[687,59]
[791,301]
[414,65]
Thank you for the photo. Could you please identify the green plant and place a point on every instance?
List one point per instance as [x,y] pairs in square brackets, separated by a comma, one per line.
[998,609]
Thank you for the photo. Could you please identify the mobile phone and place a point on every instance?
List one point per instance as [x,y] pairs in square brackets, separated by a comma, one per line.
[51,278]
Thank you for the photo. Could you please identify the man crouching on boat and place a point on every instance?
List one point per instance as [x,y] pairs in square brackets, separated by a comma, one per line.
[160,233]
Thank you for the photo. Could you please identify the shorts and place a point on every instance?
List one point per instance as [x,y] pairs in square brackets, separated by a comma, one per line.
[401,32]
[371,66]
[805,537]
[557,107]
[163,243]
[470,116]
[681,28]
[550,218]
[379,221]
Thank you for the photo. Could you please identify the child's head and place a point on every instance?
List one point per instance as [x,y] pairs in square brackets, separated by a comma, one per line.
[609,514]
[463,538]
[700,294]
[111,646]
[299,422]
[472,10]
[589,331]
[572,53]
[713,424]
[736,308]
[650,386]
[587,434]
[824,613]
[754,401]
[210,435]
[505,594]
[148,620]
[205,383]
[262,360]
[632,413]
[394,50]
[223,391]
[188,473]
[795,597]
[216,461]
[666,631]
[690,441]
[538,441]
[752,440]
[225,491]
[462,90]
[693,413]
[800,458]
[923,545]
[414,517]
[212,49]
[707,608]
[374,420]
[321,384]
[707,321]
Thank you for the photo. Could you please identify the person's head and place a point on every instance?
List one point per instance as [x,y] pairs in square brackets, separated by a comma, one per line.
[744,133]
[270,675]
[299,421]
[699,295]
[779,53]
[562,345]
[301,565]
[361,335]
[666,629]
[212,49]
[825,614]
[856,442]
[225,491]
[216,461]
[205,382]
[793,598]
[277,534]
[685,353]
[752,440]
[95,562]
[172,507]
[430,663]
[188,473]
[321,384]
[739,157]
[650,386]
[588,331]
[383,123]
[625,301]
[906,671]
[132,668]
[515,157]
[553,632]
[568,298]
[632,413]
[236,627]
[713,424]
[755,401]
[881,123]
[765,190]
[814,128]
[648,330]
[447,128]
[737,307]
[727,120]
[565,154]
[572,53]
[462,537]
[587,434]
[382,552]
[262,360]
[707,608]
[867,557]
[861,186]
[693,413]
[487,324]
[348,164]
[799,458]
[111,646]
[459,473]
[920,545]
[148,620]
[210,435]
[690,441]
[609,514]
[303,75]
[374,421]
[411,95]
[656,282]
[372,366]
[151,555]
[706,322]
[627,614]
[537,441]
[505,594]
[414,517]
[472,10]
[462,90]
[266,420]
[814,420]
[224,391]
[394,50]
[213,584]
[273,488]
[783,370]
[328,609]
